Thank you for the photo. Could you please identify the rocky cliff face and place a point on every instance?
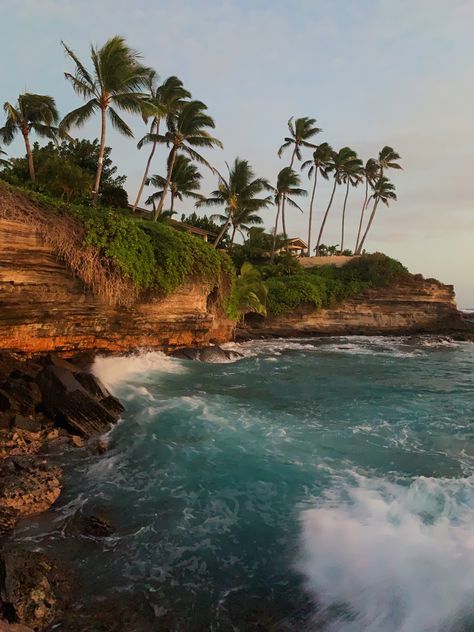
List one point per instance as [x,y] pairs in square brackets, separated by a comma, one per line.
[43,307]
[415,305]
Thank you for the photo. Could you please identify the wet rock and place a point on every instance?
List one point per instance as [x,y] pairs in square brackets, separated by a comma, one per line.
[93,385]
[24,423]
[206,354]
[77,442]
[13,627]
[33,587]
[70,404]
[28,486]
[98,527]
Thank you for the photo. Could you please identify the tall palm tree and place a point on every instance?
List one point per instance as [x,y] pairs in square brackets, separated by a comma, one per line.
[320,163]
[288,183]
[239,194]
[301,130]
[351,174]
[242,220]
[185,182]
[383,191]
[370,174]
[116,81]
[337,165]
[32,113]
[165,100]
[187,129]
[388,159]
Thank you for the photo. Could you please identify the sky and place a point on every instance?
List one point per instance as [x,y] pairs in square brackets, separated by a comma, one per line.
[372,72]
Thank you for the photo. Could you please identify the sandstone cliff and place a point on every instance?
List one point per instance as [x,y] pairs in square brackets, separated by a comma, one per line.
[414,305]
[44,307]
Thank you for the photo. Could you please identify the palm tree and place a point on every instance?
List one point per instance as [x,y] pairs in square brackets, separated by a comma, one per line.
[388,159]
[185,182]
[370,173]
[320,163]
[384,191]
[239,194]
[3,161]
[32,113]
[288,183]
[337,165]
[351,174]
[165,100]
[186,129]
[116,80]
[301,130]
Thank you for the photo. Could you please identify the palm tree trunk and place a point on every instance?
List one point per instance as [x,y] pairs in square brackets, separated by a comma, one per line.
[371,219]
[148,163]
[222,233]
[29,153]
[277,219]
[310,221]
[173,153]
[362,214]
[293,157]
[233,236]
[283,219]
[100,164]
[344,215]
[325,217]
[172,204]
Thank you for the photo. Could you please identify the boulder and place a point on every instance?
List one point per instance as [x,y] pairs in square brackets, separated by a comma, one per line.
[71,406]
[28,486]
[34,589]
[98,527]
[206,354]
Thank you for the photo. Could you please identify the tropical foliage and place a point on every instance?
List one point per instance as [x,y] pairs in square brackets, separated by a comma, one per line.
[115,82]
[156,257]
[32,113]
[240,196]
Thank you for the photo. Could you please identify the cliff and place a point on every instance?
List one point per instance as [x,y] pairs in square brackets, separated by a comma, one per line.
[43,307]
[413,305]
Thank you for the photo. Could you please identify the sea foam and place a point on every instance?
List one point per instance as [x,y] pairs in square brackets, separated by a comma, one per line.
[381,557]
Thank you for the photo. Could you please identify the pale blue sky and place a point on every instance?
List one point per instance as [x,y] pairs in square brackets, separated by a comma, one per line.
[373,72]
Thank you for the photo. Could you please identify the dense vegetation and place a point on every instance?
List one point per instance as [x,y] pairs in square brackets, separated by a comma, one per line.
[76,178]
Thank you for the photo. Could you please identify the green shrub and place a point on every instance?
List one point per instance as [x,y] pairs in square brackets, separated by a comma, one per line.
[121,240]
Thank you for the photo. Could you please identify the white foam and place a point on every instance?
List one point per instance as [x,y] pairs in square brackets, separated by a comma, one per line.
[398,559]
[113,370]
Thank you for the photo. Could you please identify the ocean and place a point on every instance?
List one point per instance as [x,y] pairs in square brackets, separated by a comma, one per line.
[314,484]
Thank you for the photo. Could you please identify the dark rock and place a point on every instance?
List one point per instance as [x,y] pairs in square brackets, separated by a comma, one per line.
[92,385]
[51,359]
[36,591]
[28,485]
[25,423]
[113,405]
[70,405]
[20,396]
[206,354]
[98,527]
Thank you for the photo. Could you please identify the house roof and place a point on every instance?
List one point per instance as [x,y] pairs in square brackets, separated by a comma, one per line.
[297,242]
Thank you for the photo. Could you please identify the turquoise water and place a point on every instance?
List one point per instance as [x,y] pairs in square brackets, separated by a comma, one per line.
[323,484]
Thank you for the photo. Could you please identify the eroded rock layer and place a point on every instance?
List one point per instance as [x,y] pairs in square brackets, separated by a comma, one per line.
[43,307]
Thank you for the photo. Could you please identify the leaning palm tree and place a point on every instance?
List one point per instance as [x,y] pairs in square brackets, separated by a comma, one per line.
[338,163]
[351,175]
[320,163]
[288,184]
[242,220]
[301,130]
[383,191]
[240,195]
[388,159]
[186,129]
[32,113]
[116,81]
[370,173]
[165,101]
[185,182]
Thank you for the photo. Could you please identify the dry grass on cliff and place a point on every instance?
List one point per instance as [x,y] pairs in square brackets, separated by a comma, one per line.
[65,235]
